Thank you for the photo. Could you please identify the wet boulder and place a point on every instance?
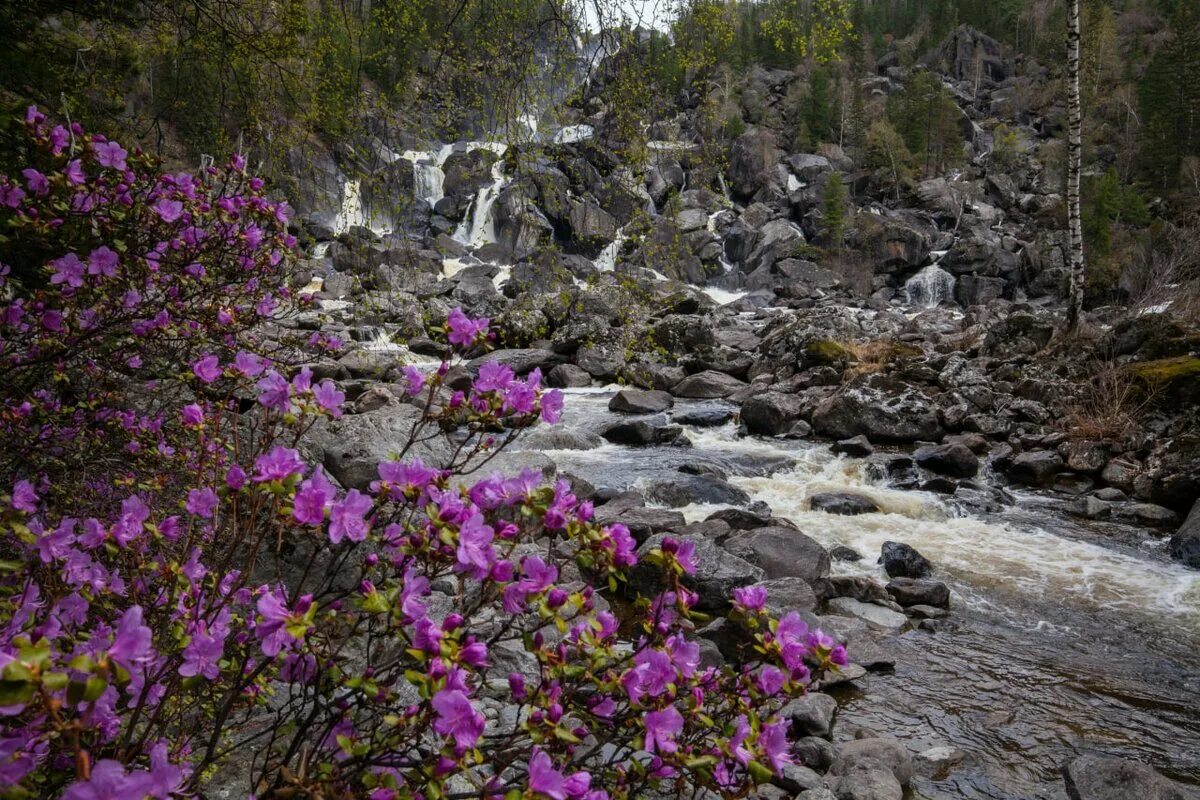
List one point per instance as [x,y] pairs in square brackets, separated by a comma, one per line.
[641,432]
[866,779]
[902,561]
[875,616]
[568,376]
[847,504]
[855,447]
[955,460]
[788,594]
[810,715]
[880,415]
[686,490]
[771,413]
[642,522]
[1185,544]
[1094,777]
[704,415]
[717,573]
[638,401]
[749,157]
[882,750]
[352,447]
[707,385]
[914,592]
[1035,467]
[782,552]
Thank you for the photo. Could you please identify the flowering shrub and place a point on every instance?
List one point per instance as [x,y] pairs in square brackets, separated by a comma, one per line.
[184,598]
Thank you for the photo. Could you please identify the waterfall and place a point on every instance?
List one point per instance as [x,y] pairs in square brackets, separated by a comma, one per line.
[428,177]
[724,186]
[574,133]
[930,287]
[479,226]
[607,260]
[352,210]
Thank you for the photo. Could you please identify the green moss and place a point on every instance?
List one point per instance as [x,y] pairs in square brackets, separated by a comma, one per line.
[827,351]
[1167,370]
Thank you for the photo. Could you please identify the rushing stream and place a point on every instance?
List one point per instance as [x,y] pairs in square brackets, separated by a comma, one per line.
[1071,640]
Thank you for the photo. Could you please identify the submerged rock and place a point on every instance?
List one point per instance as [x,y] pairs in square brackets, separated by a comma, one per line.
[914,592]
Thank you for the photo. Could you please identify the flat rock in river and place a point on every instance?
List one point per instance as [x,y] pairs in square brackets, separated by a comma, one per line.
[1098,778]
[782,552]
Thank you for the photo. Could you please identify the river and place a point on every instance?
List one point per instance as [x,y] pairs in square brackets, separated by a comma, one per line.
[1070,638]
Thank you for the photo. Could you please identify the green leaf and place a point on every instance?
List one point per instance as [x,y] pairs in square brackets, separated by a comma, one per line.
[15,693]
[759,772]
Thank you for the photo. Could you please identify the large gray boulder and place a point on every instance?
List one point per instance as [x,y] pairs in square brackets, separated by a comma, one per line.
[717,574]
[1036,467]
[639,401]
[881,416]
[771,413]
[685,490]
[520,360]
[883,750]
[1098,778]
[782,552]
[749,157]
[1185,544]
[955,460]
[707,385]
[352,447]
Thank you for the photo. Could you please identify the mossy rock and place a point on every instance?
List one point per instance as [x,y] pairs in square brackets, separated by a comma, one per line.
[826,351]
[1167,370]
[1175,381]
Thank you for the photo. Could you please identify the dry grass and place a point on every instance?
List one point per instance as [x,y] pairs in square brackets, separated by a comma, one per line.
[874,356]
[1110,406]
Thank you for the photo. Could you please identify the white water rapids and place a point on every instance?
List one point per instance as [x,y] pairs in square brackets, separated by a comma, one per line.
[1065,642]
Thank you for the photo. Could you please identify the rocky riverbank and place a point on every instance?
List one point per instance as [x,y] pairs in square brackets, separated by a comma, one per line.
[924,350]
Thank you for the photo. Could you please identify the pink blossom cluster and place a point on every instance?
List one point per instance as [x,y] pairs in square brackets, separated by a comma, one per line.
[180,583]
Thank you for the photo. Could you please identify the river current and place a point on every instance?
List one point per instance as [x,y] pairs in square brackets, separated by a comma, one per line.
[1069,638]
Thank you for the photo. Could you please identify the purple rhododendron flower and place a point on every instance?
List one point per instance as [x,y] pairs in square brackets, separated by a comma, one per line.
[110,154]
[168,210]
[544,778]
[207,368]
[131,644]
[278,465]
[346,518]
[315,495]
[552,406]
[463,329]
[192,414]
[202,502]
[414,380]
[750,598]
[456,717]
[493,377]
[274,391]
[661,729]
[102,261]
[329,398]
[110,781]
[475,553]
[69,270]
[24,498]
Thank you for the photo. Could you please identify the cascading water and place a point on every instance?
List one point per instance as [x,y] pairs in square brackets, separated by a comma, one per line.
[478,226]
[1054,623]
[573,133]
[930,287]
[352,209]
[607,260]
[428,177]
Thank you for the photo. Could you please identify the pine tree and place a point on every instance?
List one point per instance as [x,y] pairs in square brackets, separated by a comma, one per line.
[833,211]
